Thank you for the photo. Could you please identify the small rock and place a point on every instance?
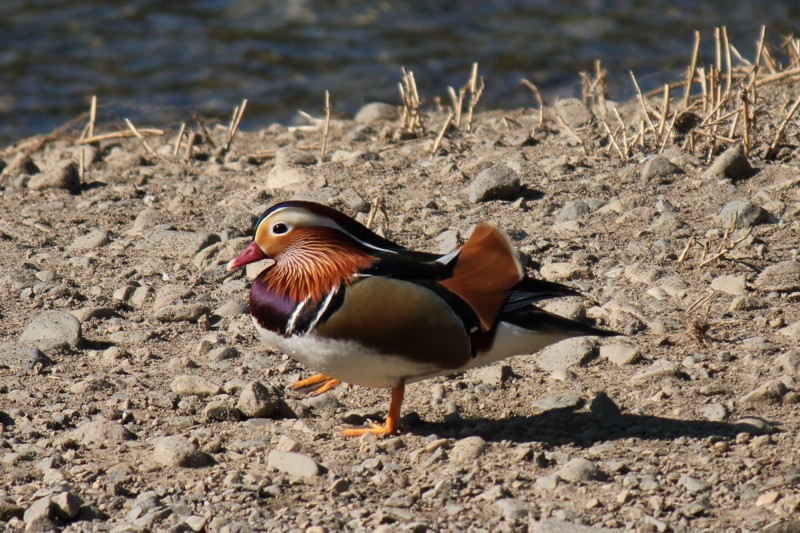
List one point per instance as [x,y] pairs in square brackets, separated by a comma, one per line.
[191,385]
[23,165]
[494,375]
[182,312]
[770,392]
[467,450]
[753,425]
[692,484]
[747,214]
[91,241]
[661,368]
[780,277]
[376,112]
[496,182]
[767,498]
[9,510]
[512,509]
[733,285]
[604,410]
[66,177]
[293,463]
[288,177]
[195,522]
[659,167]
[562,271]
[547,482]
[715,412]
[221,412]
[52,330]
[580,469]
[38,517]
[177,451]
[146,219]
[232,308]
[567,353]
[792,330]
[222,353]
[354,201]
[67,505]
[619,354]
[176,244]
[259,401]
[731,164]
[574,112]
[573,210]
[446,241]
[101,431]
[563,401]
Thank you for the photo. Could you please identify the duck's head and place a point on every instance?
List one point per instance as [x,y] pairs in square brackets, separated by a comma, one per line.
[290,227]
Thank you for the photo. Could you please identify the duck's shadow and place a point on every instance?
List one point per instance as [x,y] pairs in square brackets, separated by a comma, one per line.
[567,426]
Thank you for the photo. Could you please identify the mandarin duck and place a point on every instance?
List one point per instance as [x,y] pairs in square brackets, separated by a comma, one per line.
[360,309]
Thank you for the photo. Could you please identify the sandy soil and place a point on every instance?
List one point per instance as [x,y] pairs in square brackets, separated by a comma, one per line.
[689,422]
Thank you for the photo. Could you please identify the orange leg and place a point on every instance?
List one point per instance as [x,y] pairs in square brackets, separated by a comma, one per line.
[320,383]
[392,420]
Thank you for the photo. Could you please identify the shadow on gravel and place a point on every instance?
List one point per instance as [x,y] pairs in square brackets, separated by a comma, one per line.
[566,426]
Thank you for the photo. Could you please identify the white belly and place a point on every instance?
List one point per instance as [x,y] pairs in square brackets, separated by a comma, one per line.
[351,362]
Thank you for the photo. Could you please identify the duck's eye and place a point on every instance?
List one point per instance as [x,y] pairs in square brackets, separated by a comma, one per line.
[280,228]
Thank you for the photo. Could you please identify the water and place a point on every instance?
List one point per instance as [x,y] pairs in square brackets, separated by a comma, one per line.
[156,62]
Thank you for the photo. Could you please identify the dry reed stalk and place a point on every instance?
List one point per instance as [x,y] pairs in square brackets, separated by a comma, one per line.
[327,126]
[233,126]
[772,153]
[611,139]
[190,142]
[663,123]
[377,205]
[179,139]
[475,93]
[779,76]
[703,299]
[458,102]
[92,116]
[692,66]
[539,100]
[411,119]
[82,165]
[140,137]
[562,123]
[668,133]
[701,73]
[746,123]
[438,141]
[689,245]
[585,88]
[718,49]
[643,102]
[728,63]
[601,84]
[624,132]
[118,135]
[200,124]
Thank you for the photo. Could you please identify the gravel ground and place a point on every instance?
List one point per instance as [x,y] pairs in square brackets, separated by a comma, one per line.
[135,395]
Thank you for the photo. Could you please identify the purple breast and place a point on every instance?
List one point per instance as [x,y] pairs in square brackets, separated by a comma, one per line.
[272,310]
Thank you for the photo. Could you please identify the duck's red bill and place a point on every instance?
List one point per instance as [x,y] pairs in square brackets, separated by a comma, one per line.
[251,254]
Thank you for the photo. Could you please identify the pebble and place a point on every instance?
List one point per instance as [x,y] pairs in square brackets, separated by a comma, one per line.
[293,463]
[354,201]
[767,498]
[259,401]
[568,309]
[753,425]
[573,210]
[67,505]
[191,385]
[167,243]
[39,516]
[512,509]
[580,469]
[376,112]
[547,482]
[221,412]
[66,177]
[24,359]
[498,182]
[748,214]
[659,167]
[182,312]
[170,294]
[574,112]
[604,409]
[564,401]
[101,431]
[494,375]
[232,308]
[661,368]
[446,242]
[644,274]
[467,450]
[733,285]
[692,484]
[567,353]
[554,525]
[715,412]
[289,177]
[780,277]
[770,392]
[91,241]
[731,164]
[52,330]
[792,330]
[146,219]
[562,271]
[22,164]
[619,354]
[222,353]
[178,451]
